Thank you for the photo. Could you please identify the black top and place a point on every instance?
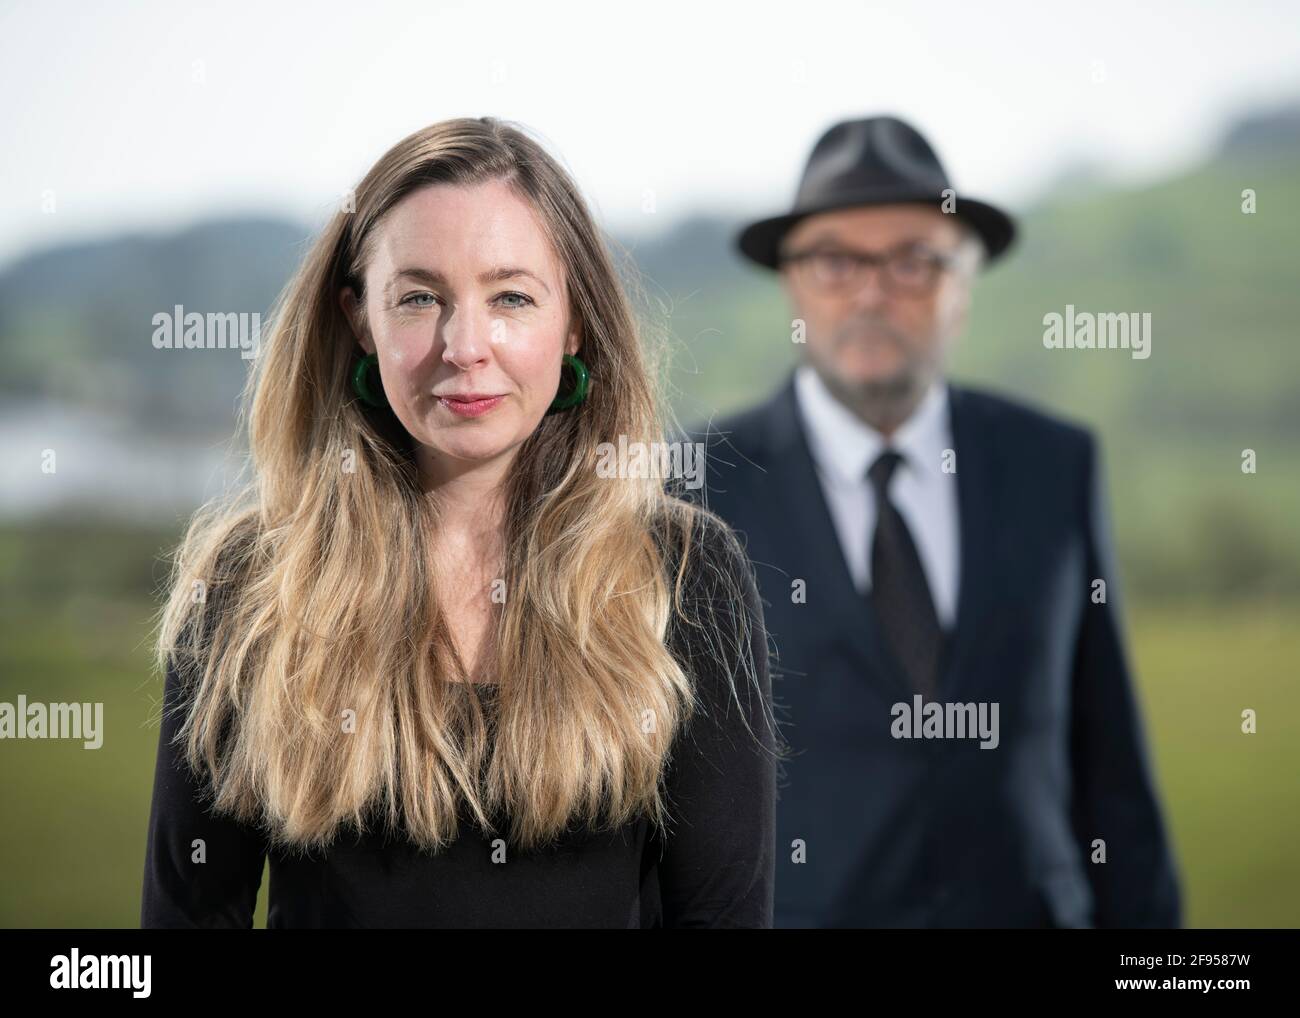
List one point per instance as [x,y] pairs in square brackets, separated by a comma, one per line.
[714,869]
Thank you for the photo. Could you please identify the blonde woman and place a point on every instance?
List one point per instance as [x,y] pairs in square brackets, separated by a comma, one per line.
[432,663]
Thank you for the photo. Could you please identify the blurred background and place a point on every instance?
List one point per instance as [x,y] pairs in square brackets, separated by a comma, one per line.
[163,154]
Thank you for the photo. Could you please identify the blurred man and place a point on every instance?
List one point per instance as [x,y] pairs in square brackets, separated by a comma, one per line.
[939,584]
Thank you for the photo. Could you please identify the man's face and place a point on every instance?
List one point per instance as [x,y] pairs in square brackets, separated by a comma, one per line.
[879,335]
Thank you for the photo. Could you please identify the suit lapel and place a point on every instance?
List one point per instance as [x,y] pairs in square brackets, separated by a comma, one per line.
[813,545]
[979,486]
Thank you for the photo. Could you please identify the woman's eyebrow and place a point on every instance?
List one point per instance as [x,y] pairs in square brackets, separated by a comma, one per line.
[495,275]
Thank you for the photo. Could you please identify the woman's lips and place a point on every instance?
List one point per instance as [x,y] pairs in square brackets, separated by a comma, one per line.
[470,407]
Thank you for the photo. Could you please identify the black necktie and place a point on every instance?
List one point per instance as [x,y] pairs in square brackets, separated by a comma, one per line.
[899,593]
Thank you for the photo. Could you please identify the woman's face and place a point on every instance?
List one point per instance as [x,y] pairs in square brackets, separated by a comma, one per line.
[466,304]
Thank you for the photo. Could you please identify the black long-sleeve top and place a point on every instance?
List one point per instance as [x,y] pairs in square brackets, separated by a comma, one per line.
[715,868]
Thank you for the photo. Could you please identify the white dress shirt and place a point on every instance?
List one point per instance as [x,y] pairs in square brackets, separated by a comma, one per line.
[844,447]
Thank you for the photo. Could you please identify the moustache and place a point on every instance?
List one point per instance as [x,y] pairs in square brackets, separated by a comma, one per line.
[869,328]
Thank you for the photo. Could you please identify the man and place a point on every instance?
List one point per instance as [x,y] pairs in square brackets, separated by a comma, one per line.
[938,578]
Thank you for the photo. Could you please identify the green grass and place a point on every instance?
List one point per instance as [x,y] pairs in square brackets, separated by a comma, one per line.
[1233,800]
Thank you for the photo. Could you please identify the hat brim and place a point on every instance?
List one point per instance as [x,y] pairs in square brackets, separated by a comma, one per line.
[760,242]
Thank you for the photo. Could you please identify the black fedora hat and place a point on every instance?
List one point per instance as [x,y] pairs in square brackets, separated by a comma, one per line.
[874,161]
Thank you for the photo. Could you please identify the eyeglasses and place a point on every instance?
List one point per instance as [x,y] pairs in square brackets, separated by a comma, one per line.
[911,270]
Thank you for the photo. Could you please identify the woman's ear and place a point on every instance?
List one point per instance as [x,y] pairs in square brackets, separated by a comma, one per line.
[355,315]
[574,343]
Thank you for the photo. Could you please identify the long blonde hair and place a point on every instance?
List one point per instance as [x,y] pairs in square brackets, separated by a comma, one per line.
[323,687]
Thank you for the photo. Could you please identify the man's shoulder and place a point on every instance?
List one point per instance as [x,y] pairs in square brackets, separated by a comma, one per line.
[743,429]
[1016,419]
[738,443]
[738,439]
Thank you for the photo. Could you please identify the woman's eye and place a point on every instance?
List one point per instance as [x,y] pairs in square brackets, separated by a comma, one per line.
[515,300]
[416,300]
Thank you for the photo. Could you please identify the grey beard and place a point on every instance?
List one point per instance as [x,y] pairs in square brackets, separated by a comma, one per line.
[883,404]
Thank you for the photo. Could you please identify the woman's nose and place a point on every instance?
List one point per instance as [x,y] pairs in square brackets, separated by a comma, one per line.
[467,338]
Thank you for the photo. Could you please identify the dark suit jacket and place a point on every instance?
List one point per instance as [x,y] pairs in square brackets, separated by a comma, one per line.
[939,832]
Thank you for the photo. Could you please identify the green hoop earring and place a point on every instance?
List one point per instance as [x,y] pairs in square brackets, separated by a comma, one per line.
[361,381]
[581,385]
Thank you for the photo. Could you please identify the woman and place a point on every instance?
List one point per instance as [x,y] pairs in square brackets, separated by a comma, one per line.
[431,663]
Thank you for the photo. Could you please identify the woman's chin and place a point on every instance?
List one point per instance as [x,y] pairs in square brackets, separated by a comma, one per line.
[473,449]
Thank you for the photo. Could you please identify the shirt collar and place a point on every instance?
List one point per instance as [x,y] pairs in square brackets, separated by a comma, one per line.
[845,445]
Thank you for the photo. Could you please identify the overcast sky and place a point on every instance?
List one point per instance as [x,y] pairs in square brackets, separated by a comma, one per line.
[154,115]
